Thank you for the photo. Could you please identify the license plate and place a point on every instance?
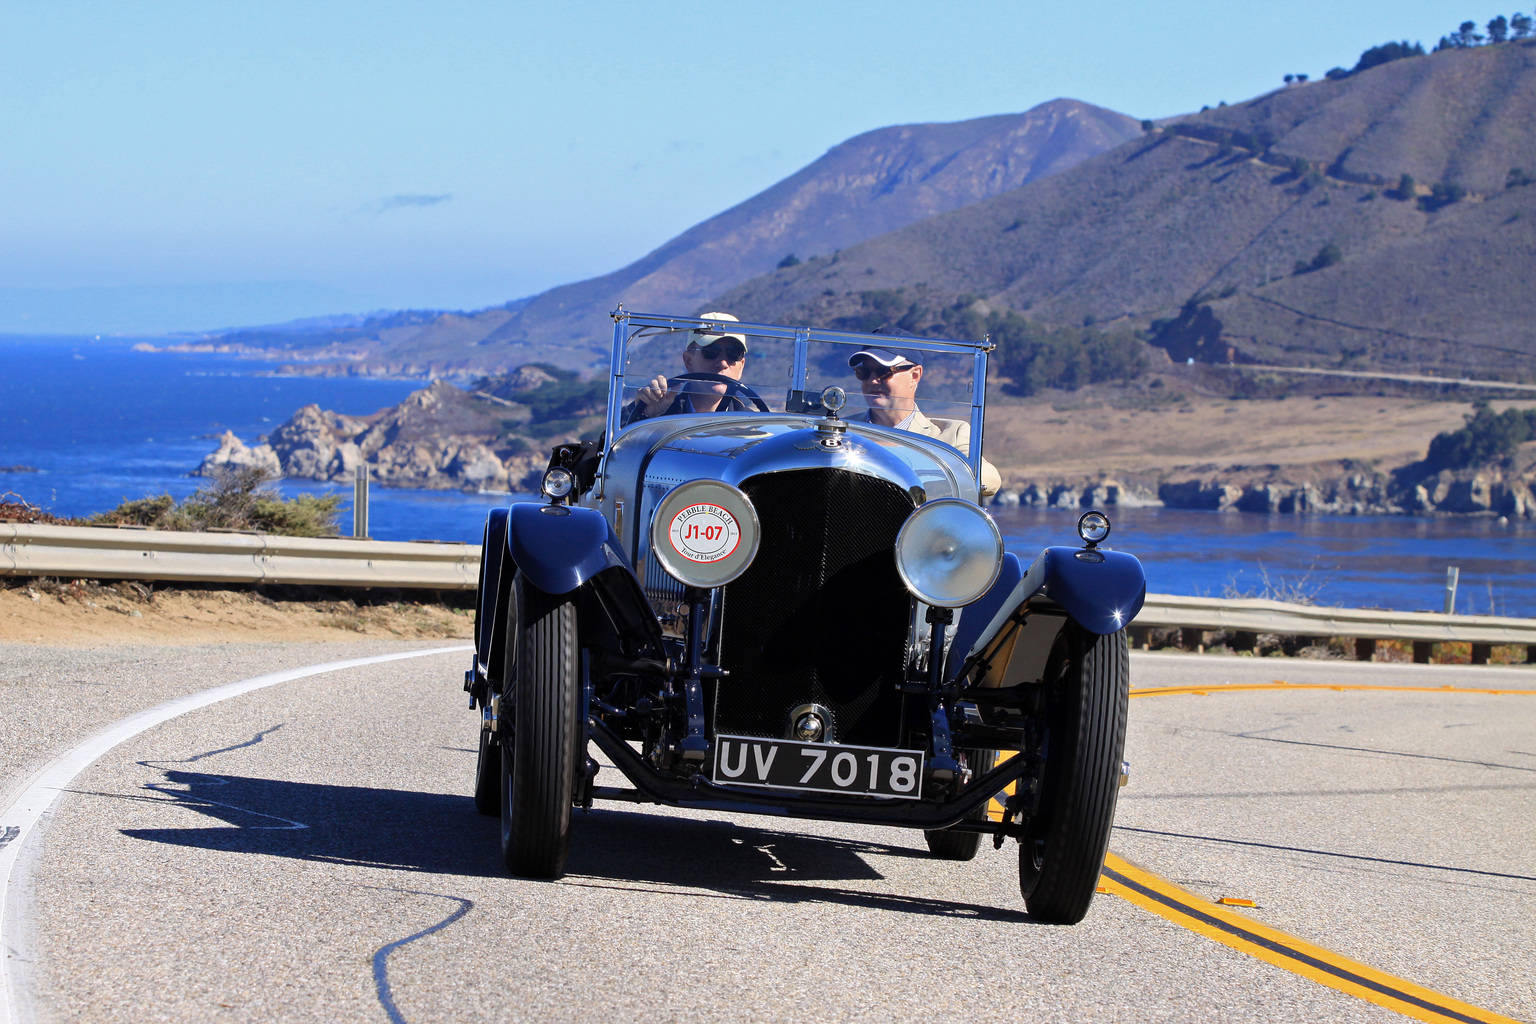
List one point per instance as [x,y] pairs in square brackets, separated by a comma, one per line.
[818,767]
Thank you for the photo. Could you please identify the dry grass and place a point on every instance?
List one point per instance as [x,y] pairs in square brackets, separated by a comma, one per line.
[42,610]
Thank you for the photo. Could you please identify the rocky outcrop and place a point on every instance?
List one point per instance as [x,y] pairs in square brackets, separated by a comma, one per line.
[1329,489]
[440,438]
[233,454]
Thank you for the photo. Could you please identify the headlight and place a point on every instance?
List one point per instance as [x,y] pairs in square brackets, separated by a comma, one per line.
[948,552]
[704,533]
[558,482]
[1093,527]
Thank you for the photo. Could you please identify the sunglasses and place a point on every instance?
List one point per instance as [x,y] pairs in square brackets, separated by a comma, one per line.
[717,350]
[864,371]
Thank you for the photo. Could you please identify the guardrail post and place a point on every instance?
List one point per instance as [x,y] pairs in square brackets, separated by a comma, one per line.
[360,502]
[1481,653]
[1452,577]
[1423,652]
[1192,640]
[1365,649]
[1245,640]
[1141,637]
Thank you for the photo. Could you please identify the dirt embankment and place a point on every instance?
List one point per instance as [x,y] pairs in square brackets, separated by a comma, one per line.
[85,612]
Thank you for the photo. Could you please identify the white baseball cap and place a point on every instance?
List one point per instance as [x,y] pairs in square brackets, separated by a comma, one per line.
[704,335]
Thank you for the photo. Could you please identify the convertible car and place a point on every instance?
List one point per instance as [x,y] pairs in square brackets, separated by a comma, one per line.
[781,606]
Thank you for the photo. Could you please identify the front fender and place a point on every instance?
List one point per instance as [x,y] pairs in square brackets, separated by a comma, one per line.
[560,547]
[1103,595]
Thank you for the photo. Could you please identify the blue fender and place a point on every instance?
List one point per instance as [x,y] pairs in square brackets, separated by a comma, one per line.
[560,547]
[493,563]
[1102,594]
[1101,590]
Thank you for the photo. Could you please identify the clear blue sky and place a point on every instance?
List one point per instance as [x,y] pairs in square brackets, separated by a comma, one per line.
[173,166]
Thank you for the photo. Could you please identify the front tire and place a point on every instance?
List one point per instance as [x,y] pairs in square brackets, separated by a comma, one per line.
[545,740]
[1062,853]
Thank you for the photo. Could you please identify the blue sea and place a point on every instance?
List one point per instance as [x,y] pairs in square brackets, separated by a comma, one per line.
[102,423]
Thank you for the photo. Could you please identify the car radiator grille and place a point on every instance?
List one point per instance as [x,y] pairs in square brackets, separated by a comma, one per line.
[821,616]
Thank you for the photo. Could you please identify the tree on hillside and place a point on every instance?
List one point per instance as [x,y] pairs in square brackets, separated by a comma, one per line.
[1147,125]
[1289,79]
[1302,79]
[1406,187]
[1487,437]
[1498,30]
[1385,53]
[789,261]
[1466,35]
[1521,25]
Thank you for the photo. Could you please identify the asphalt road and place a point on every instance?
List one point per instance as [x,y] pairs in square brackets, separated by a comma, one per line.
[309,852]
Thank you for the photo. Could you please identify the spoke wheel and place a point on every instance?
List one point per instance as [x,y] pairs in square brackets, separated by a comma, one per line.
[538,779]
[948,844]
[1062,852]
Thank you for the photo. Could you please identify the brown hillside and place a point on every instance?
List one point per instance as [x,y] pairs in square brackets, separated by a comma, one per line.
[871,184]
[1211,207]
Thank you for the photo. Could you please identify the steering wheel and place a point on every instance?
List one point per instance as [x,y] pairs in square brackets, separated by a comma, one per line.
[733,387]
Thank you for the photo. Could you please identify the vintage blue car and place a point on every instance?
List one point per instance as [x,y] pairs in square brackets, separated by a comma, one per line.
[772,588]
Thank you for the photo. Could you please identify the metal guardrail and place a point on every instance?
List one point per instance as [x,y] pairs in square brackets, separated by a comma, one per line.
[1256,615]
[97,553]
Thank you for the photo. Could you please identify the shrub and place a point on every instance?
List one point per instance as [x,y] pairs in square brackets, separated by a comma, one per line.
[789,261]
[240,499]
[1487,437]
[1442,193]
[1147,125]
[1518,178]
[1406,188]
[1327,256]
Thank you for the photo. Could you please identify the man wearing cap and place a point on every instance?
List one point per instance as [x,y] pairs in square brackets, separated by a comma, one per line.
[889,379]
[707,352]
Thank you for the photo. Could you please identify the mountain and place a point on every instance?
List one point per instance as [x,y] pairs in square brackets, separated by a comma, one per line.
[871,184]
[1281,230]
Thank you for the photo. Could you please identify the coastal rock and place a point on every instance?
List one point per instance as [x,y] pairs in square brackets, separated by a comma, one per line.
[440,438]
[1008,498]
[233,453]
[1065,497]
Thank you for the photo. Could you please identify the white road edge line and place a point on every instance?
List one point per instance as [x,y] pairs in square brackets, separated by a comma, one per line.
[40,792]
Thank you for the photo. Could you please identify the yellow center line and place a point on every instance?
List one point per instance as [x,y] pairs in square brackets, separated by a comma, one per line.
[1246,935]
[1172,691]
[1204,917]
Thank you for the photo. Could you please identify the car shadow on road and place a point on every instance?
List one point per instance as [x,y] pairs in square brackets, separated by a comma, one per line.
[387,828]
[441,833]
[637,849]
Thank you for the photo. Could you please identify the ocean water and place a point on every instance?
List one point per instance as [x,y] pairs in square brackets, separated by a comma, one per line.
[102,423]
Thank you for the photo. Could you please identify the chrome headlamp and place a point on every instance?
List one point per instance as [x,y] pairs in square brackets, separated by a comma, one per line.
[1093,527]
[949,552]
[558,482]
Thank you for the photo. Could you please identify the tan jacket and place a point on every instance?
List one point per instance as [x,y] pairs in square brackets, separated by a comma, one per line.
[956,434]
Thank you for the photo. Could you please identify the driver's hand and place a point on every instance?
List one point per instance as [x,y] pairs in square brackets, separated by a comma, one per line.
[655,397]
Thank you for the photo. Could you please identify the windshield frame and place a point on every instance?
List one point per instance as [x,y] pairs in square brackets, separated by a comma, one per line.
[628,326]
